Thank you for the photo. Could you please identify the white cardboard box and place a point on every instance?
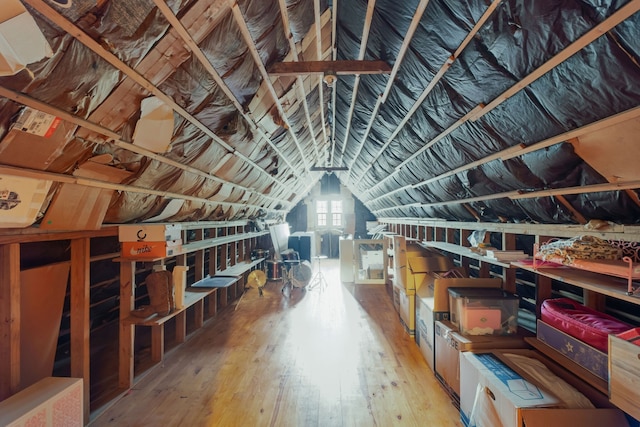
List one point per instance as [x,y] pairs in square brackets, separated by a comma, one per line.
[149,232]
[504,393]
[425,324]
[408,311]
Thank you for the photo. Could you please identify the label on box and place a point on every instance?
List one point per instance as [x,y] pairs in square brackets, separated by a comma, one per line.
[37,122]
[150,249]
[517,385]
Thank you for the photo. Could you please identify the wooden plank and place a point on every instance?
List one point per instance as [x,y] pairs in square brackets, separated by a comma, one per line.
[181,326]
[80,319]
[611,150]
[343,67]
[127,331]
[198,312]
[157,343]
[9,320]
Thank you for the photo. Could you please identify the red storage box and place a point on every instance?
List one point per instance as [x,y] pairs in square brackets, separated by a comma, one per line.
[583,323]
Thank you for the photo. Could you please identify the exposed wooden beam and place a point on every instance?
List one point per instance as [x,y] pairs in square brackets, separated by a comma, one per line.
[79,313]
[177,25]
[427,90]
[98,49]
[299,80]
[334,89]
[406,42]
[522,149]
[9,319]
[596,32]
[579,218]
[248,39]
[600,29]
[522,194]
[58,177]
[114,138]
[356,83]
[318,27]
[339,68]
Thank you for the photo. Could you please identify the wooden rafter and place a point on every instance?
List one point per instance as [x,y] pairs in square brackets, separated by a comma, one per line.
[596,32]
[244,29]
[299,80]
[334,89]
[68,179]
[427,90]
[319,57]
[354,94]
[522,194]
[116,140]
[417,16]
[204,61]
[522,149]
[94,46]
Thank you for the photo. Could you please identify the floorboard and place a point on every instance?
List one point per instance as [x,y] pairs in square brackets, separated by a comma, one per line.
[332,356]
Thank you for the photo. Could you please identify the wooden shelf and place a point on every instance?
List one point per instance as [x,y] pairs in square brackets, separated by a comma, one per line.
[199,245]
[239,268]
[191,297]
[464,251]
[607,285]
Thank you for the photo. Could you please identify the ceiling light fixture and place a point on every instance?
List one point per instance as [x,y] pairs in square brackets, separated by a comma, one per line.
[329,78]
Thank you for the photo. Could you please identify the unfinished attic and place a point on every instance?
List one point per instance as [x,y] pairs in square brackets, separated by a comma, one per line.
[162,161]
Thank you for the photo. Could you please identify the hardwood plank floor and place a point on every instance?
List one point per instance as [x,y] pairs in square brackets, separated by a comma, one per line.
[336,356]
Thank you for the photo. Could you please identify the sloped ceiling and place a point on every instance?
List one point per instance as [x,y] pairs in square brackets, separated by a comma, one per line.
[475,110]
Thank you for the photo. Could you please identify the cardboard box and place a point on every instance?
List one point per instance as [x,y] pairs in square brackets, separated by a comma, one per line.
[425,324]
[396,299]
[441,287]
[495,389]
[624,372]
[449,343]
[35,140]
[21,200]
[21,41]
[583,354]
[151,250]
[149,232]
[408,312]
[403,251]
[52,401]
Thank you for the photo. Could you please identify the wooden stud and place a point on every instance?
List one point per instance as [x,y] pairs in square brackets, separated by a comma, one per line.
[127,331]
[80,318]
[9,319]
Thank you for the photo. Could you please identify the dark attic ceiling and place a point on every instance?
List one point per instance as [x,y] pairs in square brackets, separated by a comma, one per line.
[192,110]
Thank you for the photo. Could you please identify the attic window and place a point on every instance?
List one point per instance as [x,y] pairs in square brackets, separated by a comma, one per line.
[329,213]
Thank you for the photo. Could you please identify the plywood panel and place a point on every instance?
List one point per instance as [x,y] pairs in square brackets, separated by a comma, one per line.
[76,207]
[612,150]
[42,292]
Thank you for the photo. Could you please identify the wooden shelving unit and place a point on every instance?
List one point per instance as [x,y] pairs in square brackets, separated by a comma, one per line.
[228,249]
[595,287]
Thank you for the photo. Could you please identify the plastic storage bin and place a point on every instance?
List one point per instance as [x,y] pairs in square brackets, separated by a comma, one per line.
[484,311]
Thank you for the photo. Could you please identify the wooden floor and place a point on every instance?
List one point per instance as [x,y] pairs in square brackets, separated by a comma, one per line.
[332,356]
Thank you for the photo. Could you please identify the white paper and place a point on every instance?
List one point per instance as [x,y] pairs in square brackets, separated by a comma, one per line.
[155,126]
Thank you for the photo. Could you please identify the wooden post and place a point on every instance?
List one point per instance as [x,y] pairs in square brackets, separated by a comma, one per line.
[9,319]
[509,274]
[199,261]
[80,322]
[127,331]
